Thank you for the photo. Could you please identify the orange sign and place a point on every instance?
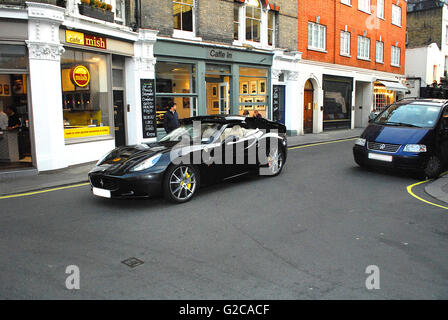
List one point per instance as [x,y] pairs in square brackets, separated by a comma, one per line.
[80,76]
[85,39]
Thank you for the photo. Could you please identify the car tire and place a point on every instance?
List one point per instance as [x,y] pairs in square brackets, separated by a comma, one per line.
[432,167]
[180,183]
[275,164]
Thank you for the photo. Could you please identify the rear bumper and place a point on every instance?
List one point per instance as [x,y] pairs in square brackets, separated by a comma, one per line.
[410,161]
[128,186]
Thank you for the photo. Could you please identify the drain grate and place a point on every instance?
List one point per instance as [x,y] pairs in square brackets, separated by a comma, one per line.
[132,262]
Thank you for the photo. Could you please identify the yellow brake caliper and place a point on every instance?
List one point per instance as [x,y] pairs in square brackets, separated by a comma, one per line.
[189,184]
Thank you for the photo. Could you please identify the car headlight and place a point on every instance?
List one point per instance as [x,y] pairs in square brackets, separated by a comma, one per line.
[415,148]
[147,163]
[360,142]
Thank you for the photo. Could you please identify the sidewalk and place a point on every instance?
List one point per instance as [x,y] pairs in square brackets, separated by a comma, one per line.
[438,188]
[78,173]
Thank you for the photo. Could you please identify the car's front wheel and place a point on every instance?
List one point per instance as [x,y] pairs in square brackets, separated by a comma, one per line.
[433,167]
[276,161]
[181,183]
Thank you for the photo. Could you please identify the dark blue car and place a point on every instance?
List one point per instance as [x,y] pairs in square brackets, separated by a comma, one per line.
[409,134]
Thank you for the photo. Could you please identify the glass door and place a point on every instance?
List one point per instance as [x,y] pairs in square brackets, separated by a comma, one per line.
[223,98]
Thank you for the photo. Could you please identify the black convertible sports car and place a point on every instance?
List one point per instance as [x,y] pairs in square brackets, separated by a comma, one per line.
[202,150]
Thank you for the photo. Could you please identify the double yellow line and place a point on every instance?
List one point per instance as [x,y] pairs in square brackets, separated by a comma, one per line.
[43,191]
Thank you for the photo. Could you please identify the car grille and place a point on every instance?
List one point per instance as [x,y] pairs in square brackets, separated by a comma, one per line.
[104,183]
[385,147]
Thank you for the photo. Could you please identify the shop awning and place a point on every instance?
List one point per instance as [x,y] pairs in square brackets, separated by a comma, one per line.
[396,86]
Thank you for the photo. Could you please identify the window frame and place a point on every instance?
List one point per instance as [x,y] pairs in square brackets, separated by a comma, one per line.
[341,52]
[397,56]
[183,33]
[378,11]
[347,2]
[320,27]
[359,48]
[394,14]
[368,5]
[382,51]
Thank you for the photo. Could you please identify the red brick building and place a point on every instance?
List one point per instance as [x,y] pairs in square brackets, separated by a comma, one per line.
[353,55]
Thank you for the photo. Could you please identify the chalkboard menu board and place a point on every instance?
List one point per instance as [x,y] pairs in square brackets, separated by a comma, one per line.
[149,120]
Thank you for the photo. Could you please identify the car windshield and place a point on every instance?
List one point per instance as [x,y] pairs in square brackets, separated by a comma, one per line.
[207,132]
[410,115]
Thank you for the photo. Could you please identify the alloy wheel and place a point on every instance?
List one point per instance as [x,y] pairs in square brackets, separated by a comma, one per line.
[182,183]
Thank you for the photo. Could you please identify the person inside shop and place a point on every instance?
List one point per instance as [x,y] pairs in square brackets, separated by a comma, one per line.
[13,118]
[257,114]
[3,121]
[171,118]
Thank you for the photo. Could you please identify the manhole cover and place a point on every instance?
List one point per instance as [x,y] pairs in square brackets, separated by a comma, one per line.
[132,262]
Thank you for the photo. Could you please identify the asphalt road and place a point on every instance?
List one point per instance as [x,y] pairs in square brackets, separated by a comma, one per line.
[309,233]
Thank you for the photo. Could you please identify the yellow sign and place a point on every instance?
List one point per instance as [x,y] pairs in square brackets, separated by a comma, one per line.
[80,76]
[74,37]
[86,132]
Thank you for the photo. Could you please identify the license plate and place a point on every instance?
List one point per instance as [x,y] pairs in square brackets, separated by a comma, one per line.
[101,192]
[380,157]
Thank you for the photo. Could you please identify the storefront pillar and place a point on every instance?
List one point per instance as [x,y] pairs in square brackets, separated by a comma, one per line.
[45,82]
[293,98]
[141,66]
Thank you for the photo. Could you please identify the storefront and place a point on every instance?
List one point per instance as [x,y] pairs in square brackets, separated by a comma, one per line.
[337,109]
[93,87]
[207,80]
[386,93]
[15,134]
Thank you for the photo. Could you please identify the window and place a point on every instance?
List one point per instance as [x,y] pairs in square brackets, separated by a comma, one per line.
[380,9]
[119,11]
[396,15]
[253,91]
[446,34]
[395,56]
[175,83]
[183,11]
[347,2]
[236,21]
[379,51]
[316,36]
[253,21]
[345,43]
[363,48]
[271,28]
[86,94]
[364,5]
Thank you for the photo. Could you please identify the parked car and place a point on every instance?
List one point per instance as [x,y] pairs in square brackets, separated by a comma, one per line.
[410,134]
[189,157]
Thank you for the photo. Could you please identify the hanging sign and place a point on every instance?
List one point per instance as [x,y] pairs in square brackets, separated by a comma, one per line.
[80,76]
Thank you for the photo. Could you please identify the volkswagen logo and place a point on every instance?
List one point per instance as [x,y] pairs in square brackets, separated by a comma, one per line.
[382,146]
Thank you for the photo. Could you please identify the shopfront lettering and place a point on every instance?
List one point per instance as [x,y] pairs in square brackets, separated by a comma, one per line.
[85,39]
[220,54]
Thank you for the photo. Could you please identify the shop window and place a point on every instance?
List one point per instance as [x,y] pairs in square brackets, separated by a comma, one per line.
[13,57]
[337,102]
[86,95]
[175,82]
[253,91]
[382,97]
[183,14]
[217,83]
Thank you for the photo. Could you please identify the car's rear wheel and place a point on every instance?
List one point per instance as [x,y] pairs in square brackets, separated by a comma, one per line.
[433,167]
[181,183]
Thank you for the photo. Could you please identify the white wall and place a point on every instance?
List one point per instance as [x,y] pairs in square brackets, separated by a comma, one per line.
[420,63]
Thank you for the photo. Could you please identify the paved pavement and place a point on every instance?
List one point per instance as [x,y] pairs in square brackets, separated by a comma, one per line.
[309,233]
[78,174]
[438,188]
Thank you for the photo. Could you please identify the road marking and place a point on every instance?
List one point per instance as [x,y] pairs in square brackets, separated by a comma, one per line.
[321,143]
[409,189]
[43,191]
